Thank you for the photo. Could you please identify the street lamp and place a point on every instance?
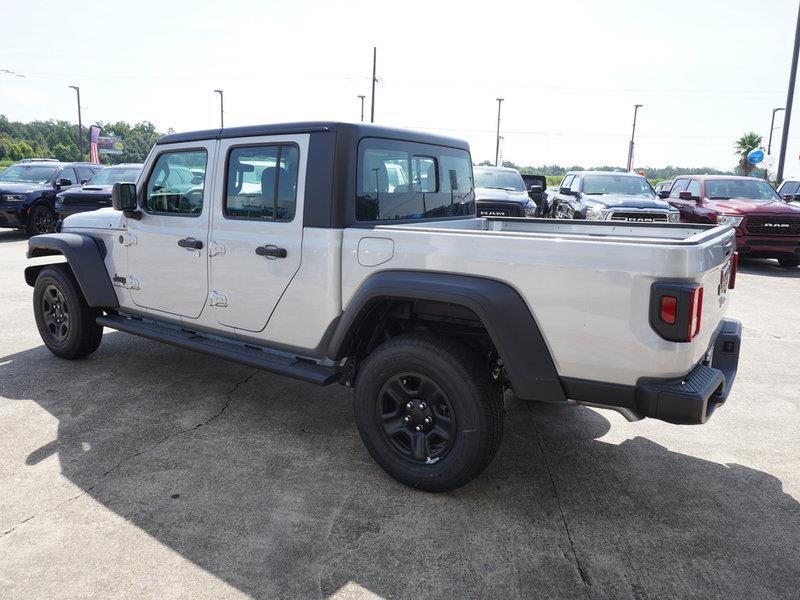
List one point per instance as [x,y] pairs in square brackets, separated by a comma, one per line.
[362,108]
[80,133]
[772,128]
[221,110]
[497,146]
[636,108]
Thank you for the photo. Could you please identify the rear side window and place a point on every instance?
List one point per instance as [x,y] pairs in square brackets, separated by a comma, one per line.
[261,182]
[170,188]
[406,180]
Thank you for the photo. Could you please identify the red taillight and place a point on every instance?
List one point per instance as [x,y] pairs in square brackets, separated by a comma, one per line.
[669,309]
[734,267]
[695,311]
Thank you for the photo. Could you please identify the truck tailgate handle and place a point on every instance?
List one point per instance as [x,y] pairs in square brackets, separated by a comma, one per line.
[271,251]
[190,244]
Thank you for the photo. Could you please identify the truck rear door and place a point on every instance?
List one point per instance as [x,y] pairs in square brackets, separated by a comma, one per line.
[257,226]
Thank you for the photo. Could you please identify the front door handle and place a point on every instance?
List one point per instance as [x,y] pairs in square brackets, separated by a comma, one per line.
[271,251]
[190,244]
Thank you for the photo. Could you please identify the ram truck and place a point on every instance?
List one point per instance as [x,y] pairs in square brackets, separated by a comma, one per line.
[294,253]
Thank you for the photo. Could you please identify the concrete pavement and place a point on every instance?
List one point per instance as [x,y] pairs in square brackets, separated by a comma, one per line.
[149,471]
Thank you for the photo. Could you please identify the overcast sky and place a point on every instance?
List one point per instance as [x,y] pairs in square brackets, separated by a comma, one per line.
[570,71]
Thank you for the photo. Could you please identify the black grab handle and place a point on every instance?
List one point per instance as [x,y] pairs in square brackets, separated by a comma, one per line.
[190,243]
[271,251]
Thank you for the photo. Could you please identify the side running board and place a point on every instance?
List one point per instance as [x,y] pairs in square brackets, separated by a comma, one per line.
[252,356]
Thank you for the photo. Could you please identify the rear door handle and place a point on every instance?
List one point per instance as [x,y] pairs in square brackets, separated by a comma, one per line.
[190,244]
[271,251]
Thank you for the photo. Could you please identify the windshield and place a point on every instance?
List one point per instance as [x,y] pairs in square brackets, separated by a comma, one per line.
[499,180]
[617,184]
[756,190]
[112,176]
[28,174]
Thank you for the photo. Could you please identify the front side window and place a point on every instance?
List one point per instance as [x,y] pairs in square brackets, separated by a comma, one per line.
[790,187]
[406,180]
[575,186]
[694,188]
[262,183]
[85,174]
[68,173]
[567,181]
[170,188]
[678,187]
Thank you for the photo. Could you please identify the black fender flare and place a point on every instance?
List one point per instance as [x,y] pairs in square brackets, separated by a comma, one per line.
[503,312]
[85,256]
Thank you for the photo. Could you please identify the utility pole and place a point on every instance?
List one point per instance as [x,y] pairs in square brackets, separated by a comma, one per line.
[636,108]
[80,133]
[221,110]
[497,146]
[374,80]
[362,107]
[789,98]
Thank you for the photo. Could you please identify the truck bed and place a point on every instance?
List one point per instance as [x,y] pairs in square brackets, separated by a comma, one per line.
[582,280]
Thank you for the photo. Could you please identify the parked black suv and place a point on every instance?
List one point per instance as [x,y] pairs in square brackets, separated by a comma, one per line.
[28,192]
[608,195]
[537,191]
[96,193]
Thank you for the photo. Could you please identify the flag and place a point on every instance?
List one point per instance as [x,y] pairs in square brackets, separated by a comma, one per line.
[94,135]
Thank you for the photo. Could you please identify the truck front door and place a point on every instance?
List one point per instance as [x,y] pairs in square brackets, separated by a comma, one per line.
[257,227]
[167,254]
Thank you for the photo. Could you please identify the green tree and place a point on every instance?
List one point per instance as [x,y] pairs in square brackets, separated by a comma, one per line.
[749,141]
[67,152]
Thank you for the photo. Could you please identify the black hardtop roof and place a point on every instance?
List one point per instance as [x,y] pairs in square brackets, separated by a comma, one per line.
[357,130]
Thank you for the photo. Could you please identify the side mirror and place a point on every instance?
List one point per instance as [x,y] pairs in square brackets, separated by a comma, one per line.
[686,195]
[123,197]
[64,182]
[789,197]
[536,189]
[564,190]
[663,194]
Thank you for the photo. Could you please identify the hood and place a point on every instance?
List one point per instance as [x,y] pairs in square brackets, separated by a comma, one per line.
[9,187]
[494,195]
[87,190]
[746,207]
[104,218]
[626,201]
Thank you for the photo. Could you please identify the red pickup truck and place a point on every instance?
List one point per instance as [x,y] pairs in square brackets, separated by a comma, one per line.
[766,226]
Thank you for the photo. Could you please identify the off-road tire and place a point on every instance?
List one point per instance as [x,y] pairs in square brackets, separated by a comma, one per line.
[66,323]
[465,389]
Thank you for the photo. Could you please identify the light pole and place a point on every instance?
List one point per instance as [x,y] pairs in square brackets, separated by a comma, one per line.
[362,107]
[789,98]
[497,145]
[221,110]
[80,133]
[636,108]
[374,80]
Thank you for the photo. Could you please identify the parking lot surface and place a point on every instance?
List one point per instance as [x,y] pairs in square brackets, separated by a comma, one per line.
[150,471]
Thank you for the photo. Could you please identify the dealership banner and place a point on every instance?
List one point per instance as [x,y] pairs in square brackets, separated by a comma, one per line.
[110,144]
[94,135]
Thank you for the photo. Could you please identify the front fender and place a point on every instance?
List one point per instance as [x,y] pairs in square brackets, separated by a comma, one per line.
[85,256]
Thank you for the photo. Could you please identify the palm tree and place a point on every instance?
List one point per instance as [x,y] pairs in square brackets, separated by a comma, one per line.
[749,141]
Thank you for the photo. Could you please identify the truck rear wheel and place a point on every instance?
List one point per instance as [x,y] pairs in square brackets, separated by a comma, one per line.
[65,321]
[428,411]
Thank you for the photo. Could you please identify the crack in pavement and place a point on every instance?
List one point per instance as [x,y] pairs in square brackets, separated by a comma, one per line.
[561,509]
[99,480]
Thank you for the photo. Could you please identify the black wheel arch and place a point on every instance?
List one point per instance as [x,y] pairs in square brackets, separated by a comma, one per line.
[501,310]
[85,258]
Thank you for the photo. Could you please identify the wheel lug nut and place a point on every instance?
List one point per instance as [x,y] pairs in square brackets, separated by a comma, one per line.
[410,405]
[422,406]
[418,427]
[407,419]
[428,419]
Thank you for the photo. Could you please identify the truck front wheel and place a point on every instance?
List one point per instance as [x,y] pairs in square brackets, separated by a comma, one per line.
[428,411]
[65,321]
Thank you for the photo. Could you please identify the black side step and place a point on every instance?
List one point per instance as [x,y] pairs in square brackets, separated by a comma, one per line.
[247,355]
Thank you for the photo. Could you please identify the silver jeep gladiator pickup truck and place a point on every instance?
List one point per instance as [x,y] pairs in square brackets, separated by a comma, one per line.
[347,253]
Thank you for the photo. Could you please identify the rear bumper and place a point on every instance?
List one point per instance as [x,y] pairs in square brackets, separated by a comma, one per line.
[687,400]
